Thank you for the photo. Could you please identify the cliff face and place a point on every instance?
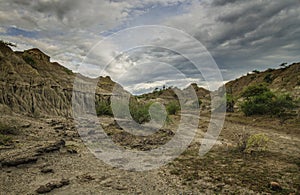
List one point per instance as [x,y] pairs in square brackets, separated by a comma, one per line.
[283,80]
[31,84]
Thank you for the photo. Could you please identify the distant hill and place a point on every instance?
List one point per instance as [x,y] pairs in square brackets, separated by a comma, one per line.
[283,80]
[31,84]
[170,93]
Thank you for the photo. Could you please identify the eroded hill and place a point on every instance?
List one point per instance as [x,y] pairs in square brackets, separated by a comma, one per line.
[31,84]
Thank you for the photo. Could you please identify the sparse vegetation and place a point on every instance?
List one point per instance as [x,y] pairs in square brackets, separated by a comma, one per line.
[103,108]
[68,71]
[5,140]
[260,101]
[140,112]
[173,107]
[29,60]
[7,129]
[283,64]
[268,78]
[255,71]
[6,133]
[257,142]
[8,43]
[247,143]
[229,103]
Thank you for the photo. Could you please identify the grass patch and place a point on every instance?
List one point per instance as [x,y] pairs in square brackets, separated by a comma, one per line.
[173,107]
[253,171]
[103,108]
[6,133]
[5,140]
[140,112]
[8,130]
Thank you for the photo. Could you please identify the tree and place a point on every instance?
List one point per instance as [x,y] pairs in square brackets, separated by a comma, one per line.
[283,64]
[254,90]
[260,101]
[229,103]
[8,43]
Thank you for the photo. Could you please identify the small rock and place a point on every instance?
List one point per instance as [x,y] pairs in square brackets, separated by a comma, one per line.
[44,189]
[51,147]
[52,185]
[26,125]
[47,170]
[275,186]
[121,188]
[72,151]
[59,127]
[85,177]
[91,132]
[19,161]
[65,182]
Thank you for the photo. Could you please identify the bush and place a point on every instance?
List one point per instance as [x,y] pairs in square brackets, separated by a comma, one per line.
[229,103]
[260,100]
[268,78]
[140,112]
[173,108]
[249,143]
[5,140]
[5,134]
[257,142]
[254,90]
[103,108]
[29,60]
[8,130]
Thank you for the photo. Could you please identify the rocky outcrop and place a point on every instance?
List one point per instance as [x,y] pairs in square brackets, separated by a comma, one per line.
[31,84]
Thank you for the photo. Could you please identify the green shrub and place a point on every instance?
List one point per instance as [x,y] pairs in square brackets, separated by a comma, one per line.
[103,108]
[248,143]
[268,78]
[68,71]
[173,107]
[7,129]
[29,60]
[5,140]
[260,101]
[140,112]
[254,90]
[257,142]
[229,102]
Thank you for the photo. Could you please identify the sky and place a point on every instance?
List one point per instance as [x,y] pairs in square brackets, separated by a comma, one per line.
[237,35]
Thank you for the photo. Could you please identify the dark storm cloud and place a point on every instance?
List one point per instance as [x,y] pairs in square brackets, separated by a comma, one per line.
[59,8]
[241,35]
[224,2]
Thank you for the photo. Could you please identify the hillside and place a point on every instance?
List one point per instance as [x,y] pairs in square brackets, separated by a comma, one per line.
[169,94]
[284,80]
[30,83]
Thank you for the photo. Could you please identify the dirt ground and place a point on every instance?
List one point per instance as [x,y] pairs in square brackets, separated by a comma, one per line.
[48,156]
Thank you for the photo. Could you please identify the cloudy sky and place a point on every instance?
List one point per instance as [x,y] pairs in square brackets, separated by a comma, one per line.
[239,35]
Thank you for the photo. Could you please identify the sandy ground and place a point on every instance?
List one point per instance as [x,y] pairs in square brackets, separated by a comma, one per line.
[38,161]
